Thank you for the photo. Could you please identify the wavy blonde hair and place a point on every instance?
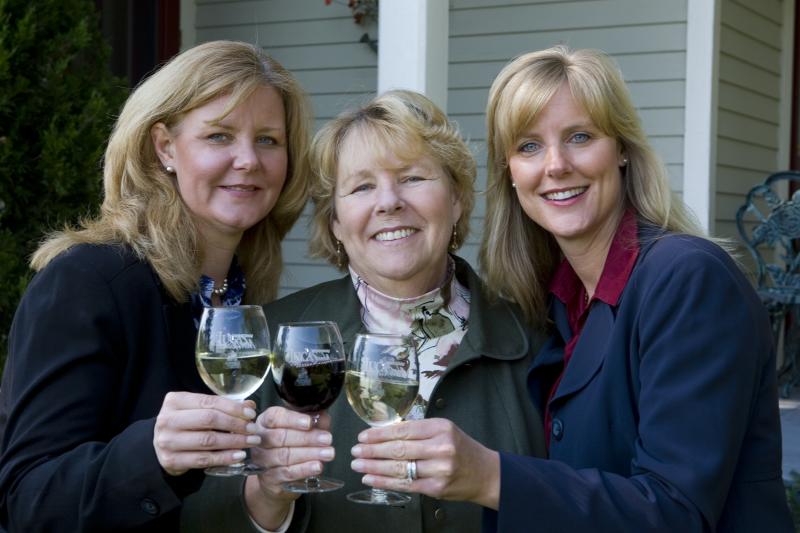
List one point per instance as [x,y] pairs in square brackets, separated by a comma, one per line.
[517,256]
[403,123]
[142,207]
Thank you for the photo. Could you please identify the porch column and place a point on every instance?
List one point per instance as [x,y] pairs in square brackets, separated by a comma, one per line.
[413,47]
[700,133]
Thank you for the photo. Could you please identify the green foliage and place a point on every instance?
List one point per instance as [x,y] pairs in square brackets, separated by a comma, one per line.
[58,100]
[793,497]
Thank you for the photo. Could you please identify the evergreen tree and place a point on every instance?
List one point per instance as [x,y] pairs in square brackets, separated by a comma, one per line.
[58,100]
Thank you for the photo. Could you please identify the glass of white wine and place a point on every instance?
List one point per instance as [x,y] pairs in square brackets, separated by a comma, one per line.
[233,357]
[381,383]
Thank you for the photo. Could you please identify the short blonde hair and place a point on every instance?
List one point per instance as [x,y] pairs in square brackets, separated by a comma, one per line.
[517,256]
[406,124]
[142,206]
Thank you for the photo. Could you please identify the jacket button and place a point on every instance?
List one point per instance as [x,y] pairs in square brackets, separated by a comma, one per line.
[557,429]
[439,514]
[149,506]
[441,403]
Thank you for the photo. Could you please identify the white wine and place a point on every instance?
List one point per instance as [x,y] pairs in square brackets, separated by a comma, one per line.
[379,401]
[235,375]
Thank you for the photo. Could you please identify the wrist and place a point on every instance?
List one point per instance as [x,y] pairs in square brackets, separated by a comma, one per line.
[266,509]
[489,495]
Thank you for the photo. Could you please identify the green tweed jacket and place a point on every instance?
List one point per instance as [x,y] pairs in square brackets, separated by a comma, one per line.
[483,391]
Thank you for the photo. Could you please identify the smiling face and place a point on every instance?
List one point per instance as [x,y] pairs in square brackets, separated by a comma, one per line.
[229,172]
[393,217]
[567,175]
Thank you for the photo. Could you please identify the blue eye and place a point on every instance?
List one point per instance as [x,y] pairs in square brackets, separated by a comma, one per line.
[265,139]
[218,137]
[361,188]
[581,138]
[529,147]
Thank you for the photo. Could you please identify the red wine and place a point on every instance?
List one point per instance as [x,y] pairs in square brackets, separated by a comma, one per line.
[309,388]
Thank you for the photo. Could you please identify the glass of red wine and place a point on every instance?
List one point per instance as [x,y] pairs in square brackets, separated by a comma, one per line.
[308,370]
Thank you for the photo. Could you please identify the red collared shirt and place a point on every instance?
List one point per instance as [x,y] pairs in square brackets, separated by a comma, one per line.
[567,287]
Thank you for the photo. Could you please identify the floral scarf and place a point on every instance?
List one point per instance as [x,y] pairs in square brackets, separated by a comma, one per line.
[437,321]
[234,295]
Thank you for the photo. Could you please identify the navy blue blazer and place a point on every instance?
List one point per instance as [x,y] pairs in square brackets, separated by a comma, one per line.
[95,346]
[666,418]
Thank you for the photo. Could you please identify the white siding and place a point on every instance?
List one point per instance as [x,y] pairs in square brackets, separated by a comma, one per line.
[320,45]
[749,108]
[646,37]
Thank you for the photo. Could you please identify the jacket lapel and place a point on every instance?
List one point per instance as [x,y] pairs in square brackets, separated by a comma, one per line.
[181,336]
[590,352]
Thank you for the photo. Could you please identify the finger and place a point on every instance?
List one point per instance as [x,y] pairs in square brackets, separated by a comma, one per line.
[295,472]
[279,438]
[280,417]
[198,419]
[180,462]
[406,430]
[275,457]
[186,441]
[385,468]
[190,400]
[396,449]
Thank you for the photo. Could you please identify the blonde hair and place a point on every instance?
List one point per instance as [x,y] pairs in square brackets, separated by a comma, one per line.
[403,123]
[517,256]
[142,207]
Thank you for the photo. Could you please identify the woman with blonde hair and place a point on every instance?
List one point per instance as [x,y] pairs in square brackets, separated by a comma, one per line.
[658,383]
[393,193]
[107,418]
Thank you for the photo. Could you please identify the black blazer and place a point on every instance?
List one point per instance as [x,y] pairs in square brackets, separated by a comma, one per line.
[94,347]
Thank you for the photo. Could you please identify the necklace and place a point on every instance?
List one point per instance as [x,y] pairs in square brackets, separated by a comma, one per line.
[222,290]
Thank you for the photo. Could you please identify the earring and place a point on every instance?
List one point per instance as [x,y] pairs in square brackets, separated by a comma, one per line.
[454,240]
[513,185]
[624,161]
[339,260]
[169,169]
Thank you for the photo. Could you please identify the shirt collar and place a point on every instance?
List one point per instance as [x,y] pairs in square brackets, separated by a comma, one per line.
[622,254]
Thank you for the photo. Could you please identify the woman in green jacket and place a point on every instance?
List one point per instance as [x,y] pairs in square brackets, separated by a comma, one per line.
[393,192]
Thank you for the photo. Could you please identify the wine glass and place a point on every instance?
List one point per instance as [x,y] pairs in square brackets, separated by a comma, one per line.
[232,356]
[381,382]
[308,370]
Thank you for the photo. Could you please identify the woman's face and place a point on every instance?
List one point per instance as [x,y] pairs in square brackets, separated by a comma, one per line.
[567,175]
[394,218]
[229,173]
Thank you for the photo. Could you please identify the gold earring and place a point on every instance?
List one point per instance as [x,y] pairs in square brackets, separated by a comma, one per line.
[454,240]
[339,260]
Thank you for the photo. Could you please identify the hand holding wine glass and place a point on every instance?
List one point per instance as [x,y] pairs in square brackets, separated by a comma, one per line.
[308,371]
[232,356]
[382,381]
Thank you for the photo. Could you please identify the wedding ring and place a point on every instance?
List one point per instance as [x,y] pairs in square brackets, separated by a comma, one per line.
[411,470]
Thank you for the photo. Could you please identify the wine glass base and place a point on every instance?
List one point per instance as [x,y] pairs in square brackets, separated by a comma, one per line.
[239,469]
[379,497]
[318,484]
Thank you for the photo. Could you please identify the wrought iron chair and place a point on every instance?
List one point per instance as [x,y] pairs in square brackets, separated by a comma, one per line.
[767,222]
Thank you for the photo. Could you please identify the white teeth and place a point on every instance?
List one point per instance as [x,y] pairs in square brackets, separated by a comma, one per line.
[394,235]
[565,195]
[240,188]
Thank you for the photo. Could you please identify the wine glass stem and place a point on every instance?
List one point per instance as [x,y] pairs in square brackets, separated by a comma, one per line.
[378,495]
[312,482]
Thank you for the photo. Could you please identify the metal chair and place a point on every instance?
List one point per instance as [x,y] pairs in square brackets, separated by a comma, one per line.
[768,223]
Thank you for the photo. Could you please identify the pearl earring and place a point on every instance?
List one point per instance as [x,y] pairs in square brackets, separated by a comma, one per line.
[169,169]
[513,185]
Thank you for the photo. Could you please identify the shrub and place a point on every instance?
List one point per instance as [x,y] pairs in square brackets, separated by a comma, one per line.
[58,100]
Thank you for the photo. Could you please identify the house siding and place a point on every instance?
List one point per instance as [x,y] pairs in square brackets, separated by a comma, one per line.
[749,102]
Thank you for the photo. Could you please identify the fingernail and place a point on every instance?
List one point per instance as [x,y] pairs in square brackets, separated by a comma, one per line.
[367,480]
[238,456]
[324,438]
[303,422]
[253,439]
[362,437]
[249,413]
[356,450]
[357,465]
[326,453]
[251,428]
[316,468]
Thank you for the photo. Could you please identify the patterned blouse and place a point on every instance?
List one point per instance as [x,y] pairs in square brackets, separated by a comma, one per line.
[437,321]
[233,296]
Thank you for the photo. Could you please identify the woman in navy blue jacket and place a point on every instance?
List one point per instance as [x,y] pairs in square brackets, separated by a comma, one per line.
[658,384]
